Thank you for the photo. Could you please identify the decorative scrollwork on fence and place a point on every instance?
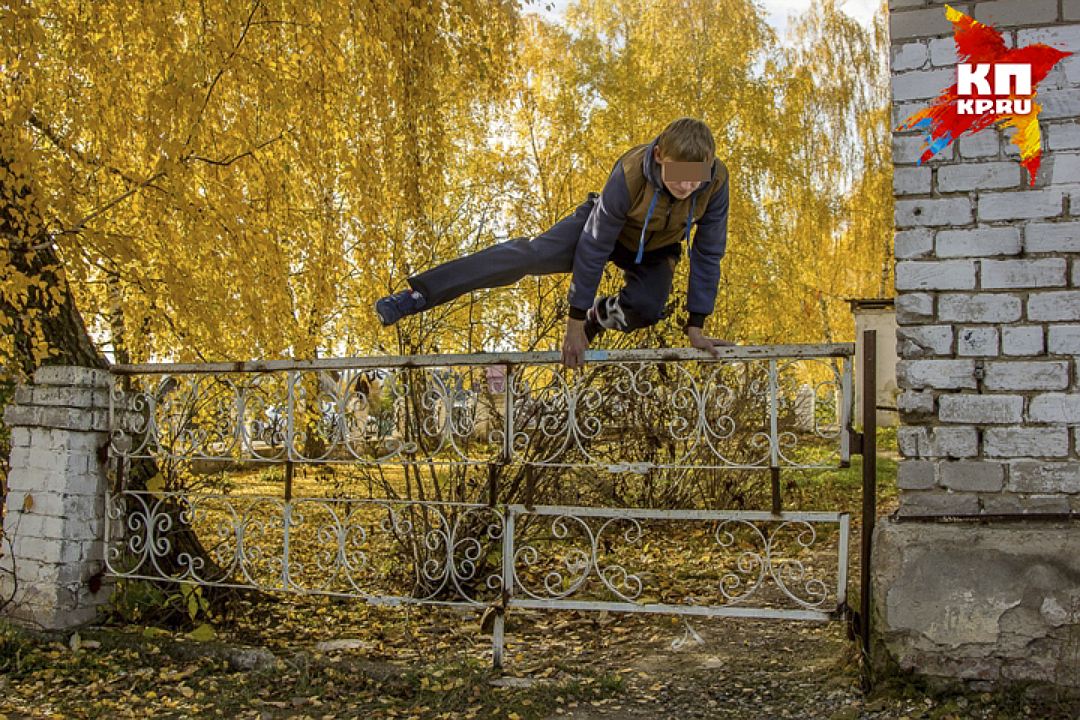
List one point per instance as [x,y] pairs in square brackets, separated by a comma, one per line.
[738,412]
[630,558]
[355,548]
[310,545]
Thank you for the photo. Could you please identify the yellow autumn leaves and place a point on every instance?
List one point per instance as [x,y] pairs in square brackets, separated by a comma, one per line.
[242,180]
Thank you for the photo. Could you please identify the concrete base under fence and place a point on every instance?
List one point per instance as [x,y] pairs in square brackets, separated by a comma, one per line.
[992,604]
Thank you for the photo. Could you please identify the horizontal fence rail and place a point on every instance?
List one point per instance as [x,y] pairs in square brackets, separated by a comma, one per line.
[754,407]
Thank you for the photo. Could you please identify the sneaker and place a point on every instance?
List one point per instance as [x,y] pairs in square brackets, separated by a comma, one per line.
[392,308]
[607,313]
[593,329]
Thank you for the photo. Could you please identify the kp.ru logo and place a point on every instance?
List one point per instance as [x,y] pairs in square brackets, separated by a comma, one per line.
[972,104]
[972,80]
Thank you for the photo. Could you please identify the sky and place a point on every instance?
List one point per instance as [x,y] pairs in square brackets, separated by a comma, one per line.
[777,11]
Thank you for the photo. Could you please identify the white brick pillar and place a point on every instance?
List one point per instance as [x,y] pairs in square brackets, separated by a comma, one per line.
[988,308]
[53,554]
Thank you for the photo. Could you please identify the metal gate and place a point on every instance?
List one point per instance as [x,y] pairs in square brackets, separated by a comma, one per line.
[448,466]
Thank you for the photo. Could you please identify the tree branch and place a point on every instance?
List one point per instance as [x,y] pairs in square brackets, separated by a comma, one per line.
[221,71]
[43,127]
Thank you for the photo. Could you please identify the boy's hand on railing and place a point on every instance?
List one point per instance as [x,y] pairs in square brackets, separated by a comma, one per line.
[574,344]
[701,342]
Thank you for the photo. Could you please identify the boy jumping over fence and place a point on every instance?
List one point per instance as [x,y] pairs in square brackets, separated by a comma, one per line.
[655,194]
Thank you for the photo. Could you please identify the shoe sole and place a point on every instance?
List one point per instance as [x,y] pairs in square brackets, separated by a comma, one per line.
[382,318]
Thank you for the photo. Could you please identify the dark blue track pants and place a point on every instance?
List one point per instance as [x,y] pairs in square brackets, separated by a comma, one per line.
[642,300]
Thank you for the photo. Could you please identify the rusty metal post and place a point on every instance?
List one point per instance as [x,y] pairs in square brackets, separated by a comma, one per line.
[869,487]
[774,485]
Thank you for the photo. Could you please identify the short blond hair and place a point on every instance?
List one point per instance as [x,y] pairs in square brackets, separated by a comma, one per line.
[687,140]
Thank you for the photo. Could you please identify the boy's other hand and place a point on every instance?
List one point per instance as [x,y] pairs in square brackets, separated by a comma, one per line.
[574,344]
[701,342]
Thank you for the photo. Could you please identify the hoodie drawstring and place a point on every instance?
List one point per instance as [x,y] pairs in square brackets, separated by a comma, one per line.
[648,215]
[690,220]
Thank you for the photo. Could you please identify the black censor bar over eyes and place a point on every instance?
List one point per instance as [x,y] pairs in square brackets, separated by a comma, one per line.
[673,171]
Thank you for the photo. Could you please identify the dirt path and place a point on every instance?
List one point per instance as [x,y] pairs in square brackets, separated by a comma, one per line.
[752,669]
[272,661]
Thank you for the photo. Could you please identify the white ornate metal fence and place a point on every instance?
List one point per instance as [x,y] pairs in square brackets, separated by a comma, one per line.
[630,414]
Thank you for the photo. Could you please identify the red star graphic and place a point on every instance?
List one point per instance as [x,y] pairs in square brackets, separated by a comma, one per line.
[978,43]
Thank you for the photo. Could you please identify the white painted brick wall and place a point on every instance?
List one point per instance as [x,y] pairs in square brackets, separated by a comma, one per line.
[1057,237]
[71,463]
[901,111]
[60,396]
[1059,104]
[20,437]
[939,442]
[64,551]
[983,144]
[54,504]
[916,402]
[935,212]
[1009,150]
[977,242]
[1024,205]
[1026,476]
[1055,408]
[1063,339]
[1008,274]
[39,526]
[909,56]
[921,84]
[907,149]
[921,23]
[1027,375]
[916,243]
[1055,305]
[1018,504]
[1061,135]
[1057,78]
[911,180]
[977,342]
[978,176]
[923,340]
[1064,168]
[1022,340]
[915,474]
[933,502]
[1064,37]
[972,476]
[914,308]
[935,275]
[55,512]
[981,409]
[46,572]
[979,308]
[1070,67]
[71,376]
[30,479]
[1016,12]
[1018,442]
[939,374]
[943,54]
